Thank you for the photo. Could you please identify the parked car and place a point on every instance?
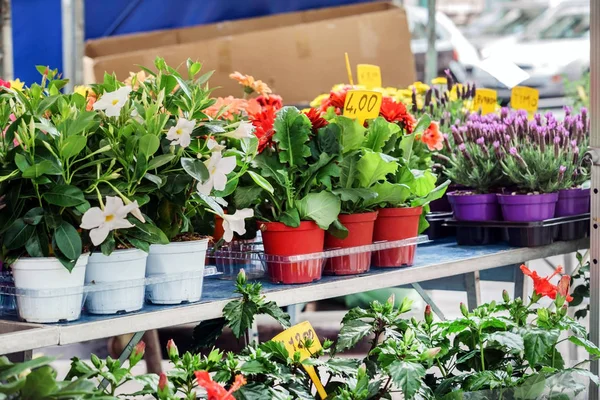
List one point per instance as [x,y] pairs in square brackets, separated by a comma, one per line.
[454,50]
[558,48]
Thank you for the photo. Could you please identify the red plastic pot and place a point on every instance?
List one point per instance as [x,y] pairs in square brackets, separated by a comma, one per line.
[360,233]
[281,240]
[396,224]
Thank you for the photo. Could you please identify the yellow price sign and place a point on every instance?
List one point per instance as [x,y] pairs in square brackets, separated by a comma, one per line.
[524,98]
[293,339]
[486,100]
[369,75]
[362,104]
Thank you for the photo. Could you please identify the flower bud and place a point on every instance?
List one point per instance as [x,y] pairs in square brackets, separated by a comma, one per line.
[437,93]
[431,353]
[414,322]
[505,296]
[463,93]
[428,315]
[456,134]
[392,300]
[414,100]
[556,146]
[447,142]
[465,152]
[137,354]
[463,309]
[561,172]
[563,310]
[172,350]
[428,97]
[449,79]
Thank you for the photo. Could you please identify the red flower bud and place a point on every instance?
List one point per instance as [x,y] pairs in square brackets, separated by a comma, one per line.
[172,350]
[162,381]
[428,315]
[137,353]
[505,296]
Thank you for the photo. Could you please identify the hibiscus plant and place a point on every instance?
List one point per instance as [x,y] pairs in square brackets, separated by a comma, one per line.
[293,174]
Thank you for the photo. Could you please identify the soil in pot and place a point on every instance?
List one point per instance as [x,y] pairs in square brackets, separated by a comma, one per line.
[119,280]
[573,202]
[281,240]
[470,206]
[46,291]
[360,233]
[396,224]
[175,272]
[527,207]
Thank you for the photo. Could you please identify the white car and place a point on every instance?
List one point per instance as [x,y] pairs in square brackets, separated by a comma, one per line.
[559,47]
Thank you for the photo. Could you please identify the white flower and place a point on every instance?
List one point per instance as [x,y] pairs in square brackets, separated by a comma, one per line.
[181,133]
[235,223]
[243,131]
[101,222]
[218,168]
[112,102]
[213,145]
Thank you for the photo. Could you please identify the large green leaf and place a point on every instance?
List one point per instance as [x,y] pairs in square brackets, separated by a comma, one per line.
[159,161]
[148,145]
[44,167]
[260,181]
[195,168]
[240,315]
[508,341]
[348,169]
[146,231]
[328,139]
[351,333]
[435,194]
[64,196]
[37,245]
[589,346]
[290,218]
[394,194]
[82,122]
[72,146]
[424,183]
[531,389]
[21,162]
[406,145]
[537,343]
[408,376]
[353,134]
[322,207]
[17,234]
[16,369]
[270,167]
[34,216]
[379,132]
[68,240]
[374,167]
[40,384]
[355,195]
[292,131]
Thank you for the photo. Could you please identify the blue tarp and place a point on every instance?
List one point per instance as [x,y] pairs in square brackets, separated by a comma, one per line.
[37,29]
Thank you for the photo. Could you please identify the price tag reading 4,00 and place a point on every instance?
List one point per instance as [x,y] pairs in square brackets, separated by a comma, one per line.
[294,340]
[362,105]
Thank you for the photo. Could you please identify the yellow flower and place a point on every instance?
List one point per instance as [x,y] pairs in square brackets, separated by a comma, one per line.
[420,87]
[338,87]
[82,90]
[316,103]
[454,92]
[440,80]
[17,84]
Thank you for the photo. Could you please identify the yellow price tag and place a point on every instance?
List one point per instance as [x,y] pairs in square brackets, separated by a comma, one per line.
[369,75]
[486,100]
[362,104]
[293,339]
[524,98]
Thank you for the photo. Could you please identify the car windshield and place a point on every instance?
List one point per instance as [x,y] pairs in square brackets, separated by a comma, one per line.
[514,21]
[571,26]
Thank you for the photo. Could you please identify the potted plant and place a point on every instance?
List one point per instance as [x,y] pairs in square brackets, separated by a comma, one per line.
[44,169]
[574,196]
[293,172]
[474,164]
[535,166]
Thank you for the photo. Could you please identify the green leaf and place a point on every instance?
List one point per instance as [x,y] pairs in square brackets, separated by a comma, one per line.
[37,245]
[159,161]
[328,139]
[240,315]
[12,387]
[353,134]
[68,241]
[338,230]
[146,231]
[394,194]
[44,167]
[271,308]
[270,167]
[195,168]
[408,376]
[21,162]
[246,196]
[374,167]
[72,146]
[351,333]
[260,181]
[423,183]
[537,343]
[148,145]
[34,216]
[292,131]
[40,384]
[348,170]
[531,388]
[355,195]
[508,341]
[379,132]
[406,145]
[290,218]
[589,346]
[422,124]
[322,207]
[435,194]
[17,369]
[17,234]
[64,196]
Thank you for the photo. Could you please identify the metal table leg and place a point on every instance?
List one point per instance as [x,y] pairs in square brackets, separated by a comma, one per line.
[429,301]
[473,291]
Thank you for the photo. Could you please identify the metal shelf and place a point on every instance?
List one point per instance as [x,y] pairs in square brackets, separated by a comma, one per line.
[434,260]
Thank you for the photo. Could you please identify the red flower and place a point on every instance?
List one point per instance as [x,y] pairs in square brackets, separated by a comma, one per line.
[563,287]
[214,390]
[396,112]
[137,353]
[263,124]
[6,84]
[273,101]
[432,137]
[543,286]
[316,120]
[336,100]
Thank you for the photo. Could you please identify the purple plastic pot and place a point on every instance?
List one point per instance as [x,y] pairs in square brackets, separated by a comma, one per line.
[527,207]
[474,207]
[573,202]
[443,204]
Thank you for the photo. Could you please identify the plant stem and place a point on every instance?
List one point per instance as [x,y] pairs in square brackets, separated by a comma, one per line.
[481,354]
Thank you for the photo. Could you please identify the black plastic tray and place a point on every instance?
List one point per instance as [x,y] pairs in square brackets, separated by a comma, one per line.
[521,234]
[437,229]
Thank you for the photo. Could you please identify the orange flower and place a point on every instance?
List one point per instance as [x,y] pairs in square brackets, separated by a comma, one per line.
[244,80]
[563,287]
[432,137]
[543,286]
[135,79]
[234,107]
[253,107]
[394,111]
[214,390]
[261,88]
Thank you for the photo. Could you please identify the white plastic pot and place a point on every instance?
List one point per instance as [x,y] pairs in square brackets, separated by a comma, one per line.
[46,291]
[119,278]
[177,272]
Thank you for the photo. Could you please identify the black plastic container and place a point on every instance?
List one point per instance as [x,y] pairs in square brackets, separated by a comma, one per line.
[521,234]
[437,229]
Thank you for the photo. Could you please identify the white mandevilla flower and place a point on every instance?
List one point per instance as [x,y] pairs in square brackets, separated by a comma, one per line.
[181,133]
[235,223]
[213,145]
[112,102]
[218,168]
[101,222]
[244,131]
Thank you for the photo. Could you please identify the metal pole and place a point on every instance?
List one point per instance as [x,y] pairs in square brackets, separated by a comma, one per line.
[431,58]
[595,208]
[72,41]
[7,72]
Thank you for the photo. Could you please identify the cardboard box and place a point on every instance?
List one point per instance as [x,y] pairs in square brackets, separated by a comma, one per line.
[299,55]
